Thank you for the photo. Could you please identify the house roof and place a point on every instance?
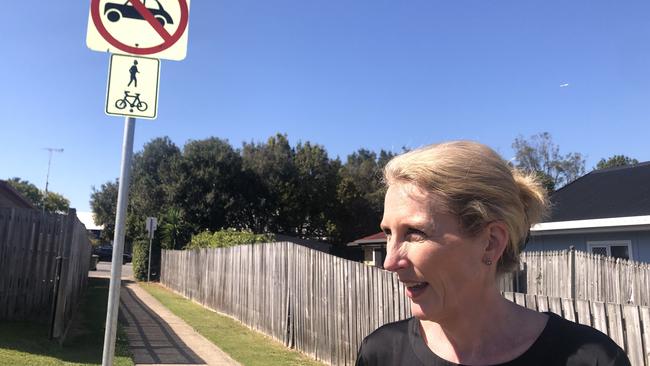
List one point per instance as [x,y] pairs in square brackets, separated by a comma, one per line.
[378,238]
[88,220]
[606,193]
[10,197]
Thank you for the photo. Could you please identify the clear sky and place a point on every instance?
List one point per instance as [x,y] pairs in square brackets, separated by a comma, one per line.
[345,74]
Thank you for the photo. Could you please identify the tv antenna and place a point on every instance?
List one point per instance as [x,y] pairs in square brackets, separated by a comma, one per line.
[51,150]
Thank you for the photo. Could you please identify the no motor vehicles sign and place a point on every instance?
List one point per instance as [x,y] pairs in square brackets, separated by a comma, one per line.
[153,28]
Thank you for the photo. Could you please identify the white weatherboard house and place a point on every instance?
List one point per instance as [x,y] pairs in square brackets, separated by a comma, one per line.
[604,212]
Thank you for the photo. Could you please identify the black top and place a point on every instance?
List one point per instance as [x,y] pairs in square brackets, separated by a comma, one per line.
[561,343]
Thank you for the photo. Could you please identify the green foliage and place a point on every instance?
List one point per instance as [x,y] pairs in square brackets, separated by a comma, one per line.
[140,259]
[540,155]
[173,229]
[226,238]
[264,187]
[52,202]
[103,202]
[616,161]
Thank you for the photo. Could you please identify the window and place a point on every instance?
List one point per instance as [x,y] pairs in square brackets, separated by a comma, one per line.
[615,248]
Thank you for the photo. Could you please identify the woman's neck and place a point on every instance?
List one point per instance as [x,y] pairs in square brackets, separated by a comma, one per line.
[489,330]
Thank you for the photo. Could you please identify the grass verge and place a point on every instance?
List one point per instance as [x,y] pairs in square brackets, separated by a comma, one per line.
[248,347]
[26,343]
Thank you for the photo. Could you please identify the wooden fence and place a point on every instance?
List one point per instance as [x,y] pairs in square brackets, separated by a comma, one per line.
[34,248]
[324,305]
[580,275]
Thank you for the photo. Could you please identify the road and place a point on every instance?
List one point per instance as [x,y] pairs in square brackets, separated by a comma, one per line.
[104,271]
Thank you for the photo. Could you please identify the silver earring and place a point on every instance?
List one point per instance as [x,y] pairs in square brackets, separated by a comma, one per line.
[488,262]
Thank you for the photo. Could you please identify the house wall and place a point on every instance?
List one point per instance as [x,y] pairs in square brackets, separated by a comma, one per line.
[640,242]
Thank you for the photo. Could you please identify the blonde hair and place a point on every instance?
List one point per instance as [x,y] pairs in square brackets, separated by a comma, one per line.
[478,186]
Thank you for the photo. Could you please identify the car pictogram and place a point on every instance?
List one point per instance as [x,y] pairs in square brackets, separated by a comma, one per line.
[116,11]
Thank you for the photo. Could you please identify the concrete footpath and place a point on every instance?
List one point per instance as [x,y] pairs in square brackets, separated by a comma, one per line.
[157,336]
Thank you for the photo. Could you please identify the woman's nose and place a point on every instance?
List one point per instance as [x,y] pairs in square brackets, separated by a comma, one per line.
[395,259]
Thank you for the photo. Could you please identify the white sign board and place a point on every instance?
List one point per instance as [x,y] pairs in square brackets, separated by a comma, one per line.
[133,86]
[151,226]
[153,28]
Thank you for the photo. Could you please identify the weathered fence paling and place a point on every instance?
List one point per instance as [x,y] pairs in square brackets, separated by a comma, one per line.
[324,305]
[580,275]
[30,242]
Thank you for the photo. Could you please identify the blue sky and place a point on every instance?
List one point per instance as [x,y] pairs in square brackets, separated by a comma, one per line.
[344,74]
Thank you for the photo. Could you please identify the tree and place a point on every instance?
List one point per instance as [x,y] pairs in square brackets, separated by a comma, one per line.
[153,184]
[174,231]
[103,202]
[273,163]
[541,156]
[53,202]
[209,182]
[616,161]
[360,194]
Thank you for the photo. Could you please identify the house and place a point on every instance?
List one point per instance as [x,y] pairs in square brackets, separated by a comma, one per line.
[87,218]
[10,197]
[374,249]
[604,212]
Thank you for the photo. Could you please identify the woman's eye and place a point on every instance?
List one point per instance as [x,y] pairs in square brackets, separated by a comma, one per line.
[415,235]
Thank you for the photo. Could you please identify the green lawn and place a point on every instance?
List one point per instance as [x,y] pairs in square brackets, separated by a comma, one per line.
[248,347]
[25,343]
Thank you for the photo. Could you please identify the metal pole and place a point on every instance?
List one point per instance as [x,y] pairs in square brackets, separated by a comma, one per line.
[149,263]
[118,244]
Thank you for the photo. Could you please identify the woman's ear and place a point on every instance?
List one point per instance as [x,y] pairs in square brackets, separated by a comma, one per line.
[498,237]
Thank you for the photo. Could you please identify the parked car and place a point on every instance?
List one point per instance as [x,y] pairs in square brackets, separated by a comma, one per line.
[105,254]
[115,11]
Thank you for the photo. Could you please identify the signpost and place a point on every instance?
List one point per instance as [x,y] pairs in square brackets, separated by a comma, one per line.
[139,33]
[151,226]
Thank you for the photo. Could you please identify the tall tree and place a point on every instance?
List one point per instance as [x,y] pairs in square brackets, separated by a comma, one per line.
[540,155]
[616,161]
[273,163]
[360,194]
[103,202]
[154,183]
[318,179]
[208,184]
[53,202]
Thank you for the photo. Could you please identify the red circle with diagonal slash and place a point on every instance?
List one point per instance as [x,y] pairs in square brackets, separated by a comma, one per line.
[169,39]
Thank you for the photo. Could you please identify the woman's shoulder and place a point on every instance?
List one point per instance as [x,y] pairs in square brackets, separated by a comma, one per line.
[573,342]
[390,331]
[388,345]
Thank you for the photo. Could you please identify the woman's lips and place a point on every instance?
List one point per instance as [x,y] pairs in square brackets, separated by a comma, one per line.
[415,289]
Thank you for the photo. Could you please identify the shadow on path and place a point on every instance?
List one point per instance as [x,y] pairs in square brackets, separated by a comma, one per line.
[151,340]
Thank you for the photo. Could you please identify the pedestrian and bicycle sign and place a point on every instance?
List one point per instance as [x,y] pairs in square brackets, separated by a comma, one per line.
[138,33]
[153,28]
[133,86]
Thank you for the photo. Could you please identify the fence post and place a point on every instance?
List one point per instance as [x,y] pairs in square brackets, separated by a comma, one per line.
[60,311]
[572,272]
[55,295]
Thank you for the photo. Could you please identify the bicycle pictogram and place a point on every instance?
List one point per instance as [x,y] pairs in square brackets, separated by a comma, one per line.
[135,103]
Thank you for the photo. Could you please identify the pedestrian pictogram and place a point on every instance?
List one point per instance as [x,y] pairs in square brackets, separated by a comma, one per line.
[153,28]
[133,86]
[134,71]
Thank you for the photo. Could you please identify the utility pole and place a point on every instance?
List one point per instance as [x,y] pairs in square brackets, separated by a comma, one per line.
[51,150]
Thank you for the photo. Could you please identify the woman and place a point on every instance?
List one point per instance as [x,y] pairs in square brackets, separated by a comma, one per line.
[455,216]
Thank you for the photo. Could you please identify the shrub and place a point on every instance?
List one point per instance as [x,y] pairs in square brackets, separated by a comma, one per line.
[140,259]
[227,238]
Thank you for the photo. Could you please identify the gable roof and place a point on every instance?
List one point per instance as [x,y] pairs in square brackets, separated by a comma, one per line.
[378,238]
[605,193]
[10,197]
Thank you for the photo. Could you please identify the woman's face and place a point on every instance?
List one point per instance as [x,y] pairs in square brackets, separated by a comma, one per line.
[440,266]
